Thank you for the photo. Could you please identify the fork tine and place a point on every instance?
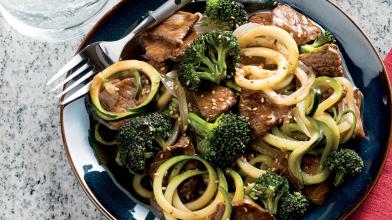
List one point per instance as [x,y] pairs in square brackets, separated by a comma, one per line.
[76,73]
[85,89]
[67,67]
[83,78]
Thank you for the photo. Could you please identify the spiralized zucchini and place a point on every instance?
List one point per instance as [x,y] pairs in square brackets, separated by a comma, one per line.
[249,169]
[278,46]
[247,33]
[139,189]
[181,211]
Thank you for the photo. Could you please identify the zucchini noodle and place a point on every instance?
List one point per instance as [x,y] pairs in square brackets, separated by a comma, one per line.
[324,83]
[297,96]
[239,185]
[267,160]
[247,33]
[263,79]
[249,169]
[175,212]
[349,120]
[228,206]
[175,182]
[139,189]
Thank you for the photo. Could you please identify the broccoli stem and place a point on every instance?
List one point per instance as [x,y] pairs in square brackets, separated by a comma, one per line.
[148,155]
[339,178]
[222,61]
[161,142]
[200,125]
[269,204]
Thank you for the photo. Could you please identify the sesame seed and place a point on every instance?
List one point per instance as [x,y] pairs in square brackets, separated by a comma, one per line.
[255,109]
[221,99]
[262,100]
[213,100]
[213,91]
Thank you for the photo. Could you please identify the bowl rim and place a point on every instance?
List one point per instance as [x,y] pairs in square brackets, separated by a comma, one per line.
[346,215]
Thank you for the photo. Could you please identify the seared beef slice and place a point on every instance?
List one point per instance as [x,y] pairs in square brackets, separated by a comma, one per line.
[175,28]
[246,209]
[325,61]
[168,39]
[262,114]
[317,193]
[264,18]
[298,25]
[214,101]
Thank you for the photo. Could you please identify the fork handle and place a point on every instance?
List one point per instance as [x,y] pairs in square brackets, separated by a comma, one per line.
[155,17]
[167,9]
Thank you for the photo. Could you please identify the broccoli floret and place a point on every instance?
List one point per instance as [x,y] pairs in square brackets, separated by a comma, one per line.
[225,140]
[268,189]
[324,38]
[212,57]
[226,14]
[344,162]
[140,138]
[292,206]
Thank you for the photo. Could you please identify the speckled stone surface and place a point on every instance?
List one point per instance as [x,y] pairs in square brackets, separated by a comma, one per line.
[36,181]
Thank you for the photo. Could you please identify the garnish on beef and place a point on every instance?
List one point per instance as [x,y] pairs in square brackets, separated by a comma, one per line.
[262,114]
[325,61]
[118,95]
[298,25]
[214,101]
[246,209]
[182,147]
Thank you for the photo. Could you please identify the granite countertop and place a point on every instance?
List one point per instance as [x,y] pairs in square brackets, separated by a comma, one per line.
[36,181]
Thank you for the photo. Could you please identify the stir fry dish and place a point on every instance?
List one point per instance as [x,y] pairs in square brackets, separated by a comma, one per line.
[230,112]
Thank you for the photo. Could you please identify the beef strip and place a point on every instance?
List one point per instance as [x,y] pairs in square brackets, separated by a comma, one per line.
[317,193]
[359,130]
[118,94]
[161,67]
[175,28]
[187,41]
[182,147]
[189,189]
[262,114]
[158,50]
[298,25]
[280,166]
[170,39]
[246,209]
[325,61]
[264,18]
[214,101]
[220,210]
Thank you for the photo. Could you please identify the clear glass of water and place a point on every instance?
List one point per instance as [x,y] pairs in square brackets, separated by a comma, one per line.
[52,20]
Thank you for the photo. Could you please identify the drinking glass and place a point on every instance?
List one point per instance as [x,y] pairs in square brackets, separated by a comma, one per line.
[52,20]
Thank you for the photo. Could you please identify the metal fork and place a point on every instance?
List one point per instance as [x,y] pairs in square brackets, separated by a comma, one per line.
[99,55]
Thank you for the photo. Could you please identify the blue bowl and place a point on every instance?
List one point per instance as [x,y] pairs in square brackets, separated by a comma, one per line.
[107,187]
